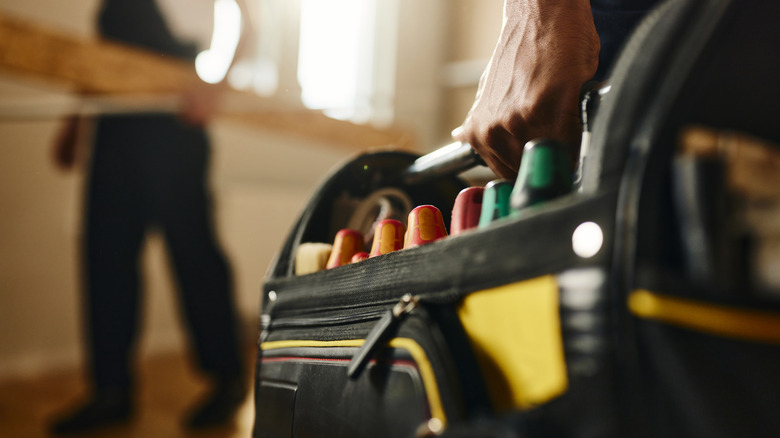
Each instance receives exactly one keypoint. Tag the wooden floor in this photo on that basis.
(168, 386)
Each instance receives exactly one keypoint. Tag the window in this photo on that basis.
(346, 58)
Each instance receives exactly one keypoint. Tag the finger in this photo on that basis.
(508, 151)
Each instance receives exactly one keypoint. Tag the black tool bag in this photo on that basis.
(630, 307)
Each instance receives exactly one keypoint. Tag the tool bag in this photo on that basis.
(641, 304)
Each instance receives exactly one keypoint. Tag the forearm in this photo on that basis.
(542, 37)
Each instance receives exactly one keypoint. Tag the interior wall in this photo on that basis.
(472, 30)
(74, 16)
(39, 317)
(420, 55)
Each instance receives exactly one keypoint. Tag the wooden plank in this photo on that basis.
(104, 68)
(88, 65)
(313, 124)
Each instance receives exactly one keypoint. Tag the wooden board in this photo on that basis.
(103, 68)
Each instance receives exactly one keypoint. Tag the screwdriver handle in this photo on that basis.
(448, 160)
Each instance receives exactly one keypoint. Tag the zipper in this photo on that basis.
(388, 320)
(323, 321)
(381, 332)
(315, 315)
(268, 323)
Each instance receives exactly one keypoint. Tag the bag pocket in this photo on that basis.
(368, 370)
(708, 367)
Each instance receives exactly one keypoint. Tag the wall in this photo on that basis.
(443, 46)
(472, 32)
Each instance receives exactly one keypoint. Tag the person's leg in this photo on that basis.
(113, 232)
(203, 273)
(115, 227)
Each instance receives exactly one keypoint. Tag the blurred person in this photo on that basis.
(149, 172)
(546, 52)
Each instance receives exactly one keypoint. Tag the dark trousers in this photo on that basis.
(150, 172)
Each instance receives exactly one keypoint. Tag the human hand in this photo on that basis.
(530, 89)
(65, 142)
(200, 102)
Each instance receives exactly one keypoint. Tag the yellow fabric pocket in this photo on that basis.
(515, 331)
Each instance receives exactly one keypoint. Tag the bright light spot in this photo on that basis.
(587, 239)
(332, 39)
(241, 76)
(213, 64)
(582, 299)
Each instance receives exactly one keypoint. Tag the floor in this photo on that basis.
(168, 386)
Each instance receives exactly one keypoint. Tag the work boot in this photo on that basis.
(103, 409)
(219, 406)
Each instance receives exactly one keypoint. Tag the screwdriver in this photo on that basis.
(545, 173)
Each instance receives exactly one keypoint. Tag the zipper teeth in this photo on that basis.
(325, 320)
(448, 296)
